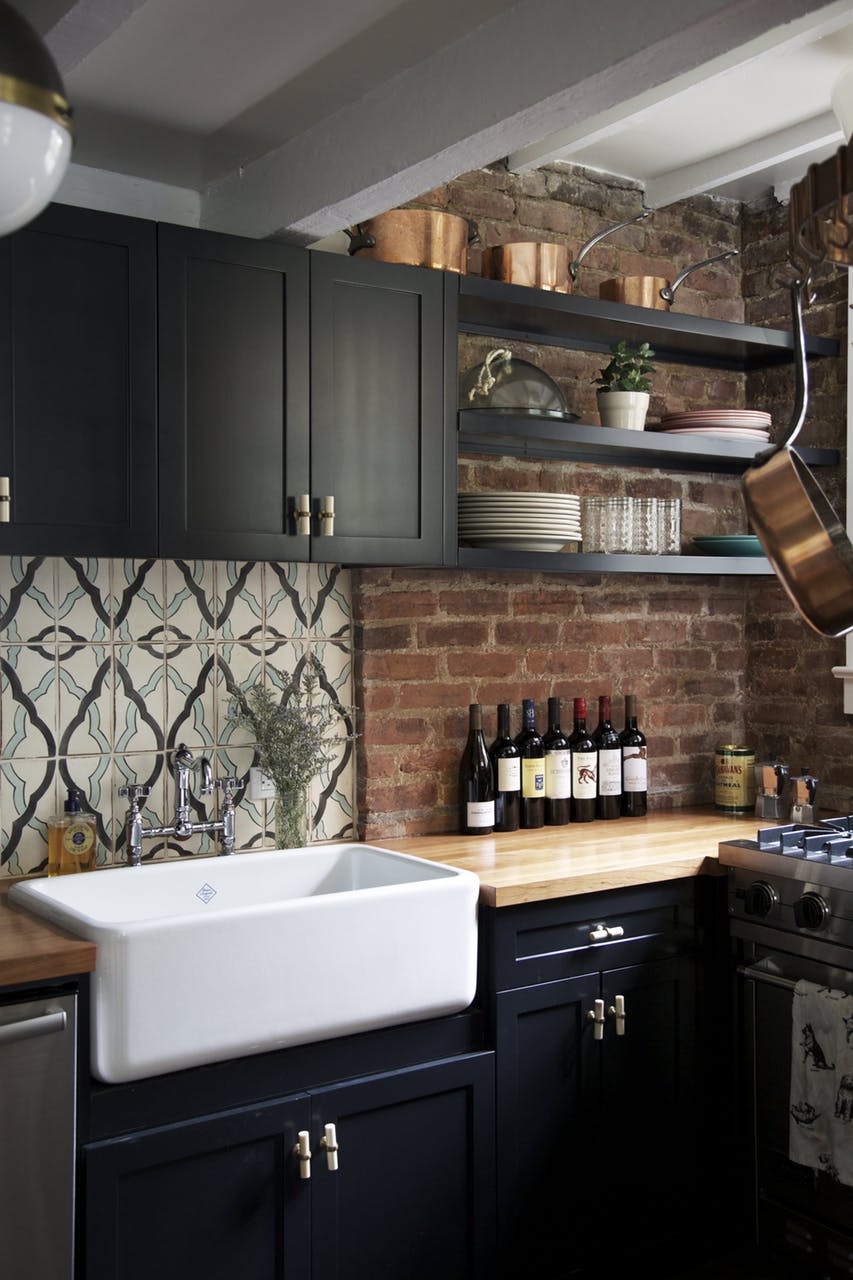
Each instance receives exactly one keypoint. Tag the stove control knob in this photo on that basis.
(760, 898)
(811, 912)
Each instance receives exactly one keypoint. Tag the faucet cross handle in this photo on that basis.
(134, 793)
(228, 786)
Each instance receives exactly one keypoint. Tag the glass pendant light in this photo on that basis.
(35, 123)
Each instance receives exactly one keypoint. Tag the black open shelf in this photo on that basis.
(579, 562)
(503, 311)
(527, 437)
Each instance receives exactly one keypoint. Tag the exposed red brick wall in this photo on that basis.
(710, 659)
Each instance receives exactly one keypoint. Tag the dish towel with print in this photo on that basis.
(820, 1132)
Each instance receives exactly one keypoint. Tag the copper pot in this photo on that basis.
(802, 537)
(542, 266)
(652, 291)
(419, 237)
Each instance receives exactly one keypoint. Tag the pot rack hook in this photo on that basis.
(590, 244)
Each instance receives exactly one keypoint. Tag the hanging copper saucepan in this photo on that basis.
(540, 264)
(652, 291)
(796, 525)
(419, 237)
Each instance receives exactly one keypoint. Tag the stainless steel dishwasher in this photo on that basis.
(37, 1126)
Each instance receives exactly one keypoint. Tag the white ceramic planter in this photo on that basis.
(625, 409)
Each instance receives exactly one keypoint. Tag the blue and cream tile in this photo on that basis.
(287, 599)
(333, 665)
(239, 600)
(238, 668)
(331, 596)
(190, 695)
(27, 803)
(190, 599)
(147, 769)
(85, 697)
(28, 701)
(92, 777)
(137, 600)
(83, 599)
(140, 698)
(331, 796)
(284, 662)
(27, 598)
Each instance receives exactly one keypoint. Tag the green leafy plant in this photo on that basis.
(627, 369)
(291, 734)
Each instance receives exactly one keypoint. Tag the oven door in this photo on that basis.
(800, 1211)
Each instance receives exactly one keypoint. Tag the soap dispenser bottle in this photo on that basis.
(72, 839)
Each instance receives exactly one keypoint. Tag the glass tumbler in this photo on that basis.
(669, 526)
(620, 525)
(645, 540)
(593, 524)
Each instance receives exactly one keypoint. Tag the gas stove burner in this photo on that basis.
(829, 841)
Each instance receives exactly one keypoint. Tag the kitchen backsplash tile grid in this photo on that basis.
(106, 665)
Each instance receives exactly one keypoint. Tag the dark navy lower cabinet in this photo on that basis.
(597, 1130)
(224, 1196)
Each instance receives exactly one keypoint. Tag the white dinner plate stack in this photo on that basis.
(734, 424)
(520, 521)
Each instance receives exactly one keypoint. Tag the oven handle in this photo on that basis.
(771, 979)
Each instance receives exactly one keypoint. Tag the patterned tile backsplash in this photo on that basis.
(106, 665)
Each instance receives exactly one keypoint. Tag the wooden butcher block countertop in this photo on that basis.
(31, 950)
(555, 862)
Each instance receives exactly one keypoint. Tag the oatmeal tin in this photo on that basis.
(734, 779)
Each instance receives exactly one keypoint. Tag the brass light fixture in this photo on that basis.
(35, 123)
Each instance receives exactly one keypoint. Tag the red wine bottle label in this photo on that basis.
(610, 773)
(533, 779)
(480, 813)
(509, 774)
(584, 774)
(634, 769)
(558, 775)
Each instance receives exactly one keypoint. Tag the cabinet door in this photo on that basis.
(378, 410)
(651, 1132)
(217, 1197)
(233, 345)
(78, 385)
(549, 1072)
(413, 1195)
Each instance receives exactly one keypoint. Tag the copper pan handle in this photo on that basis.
(668, 290)
(590, 244)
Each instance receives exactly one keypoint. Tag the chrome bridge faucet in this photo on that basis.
(182, 826)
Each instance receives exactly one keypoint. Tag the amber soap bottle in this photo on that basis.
(72, 839)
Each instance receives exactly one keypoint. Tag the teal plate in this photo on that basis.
(739, 545)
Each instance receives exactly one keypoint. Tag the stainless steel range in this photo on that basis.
(790, 907)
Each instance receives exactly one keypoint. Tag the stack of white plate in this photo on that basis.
(522, 521)
(737, 424)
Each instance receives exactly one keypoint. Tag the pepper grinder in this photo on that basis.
(803, 806)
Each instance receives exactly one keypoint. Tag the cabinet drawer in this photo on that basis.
(545, 941)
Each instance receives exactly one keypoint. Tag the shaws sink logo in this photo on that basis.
(206, 893)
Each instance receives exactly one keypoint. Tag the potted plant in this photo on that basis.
(623, 386)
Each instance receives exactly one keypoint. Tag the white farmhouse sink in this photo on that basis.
(211, 959)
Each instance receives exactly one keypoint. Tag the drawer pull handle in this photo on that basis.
(617, 1011)
(302, 513)
(302, 1151)
(329, 1144)
(596, 1017)
(327, 517)
(604, 933)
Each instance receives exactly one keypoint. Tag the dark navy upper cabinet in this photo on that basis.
(379, 410)
(233, 395)
(78, 371)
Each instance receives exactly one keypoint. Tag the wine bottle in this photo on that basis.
(608, 802)
(476, 790)
(558, 769)
(532, 751)
(634, 766)
(584, 767)
(506, 774)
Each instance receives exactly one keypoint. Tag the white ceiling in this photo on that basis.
(294, 119)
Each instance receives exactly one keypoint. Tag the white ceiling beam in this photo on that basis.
(83, 25)
(90, 188)
(561, 144)
(738, 162)
(440, 118)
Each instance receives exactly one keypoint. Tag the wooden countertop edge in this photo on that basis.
(31, 950)
(597, 881)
